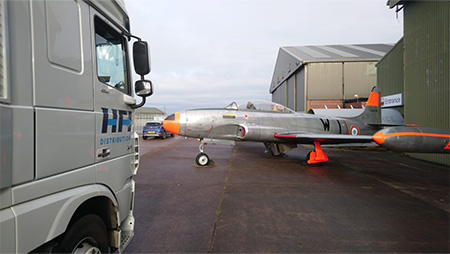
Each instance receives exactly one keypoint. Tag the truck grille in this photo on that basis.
(136, 153)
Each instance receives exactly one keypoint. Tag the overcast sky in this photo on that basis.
(208, 53)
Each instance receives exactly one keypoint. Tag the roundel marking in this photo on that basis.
(354, 130)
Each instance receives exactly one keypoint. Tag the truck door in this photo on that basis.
(61, 85)
(114, 118)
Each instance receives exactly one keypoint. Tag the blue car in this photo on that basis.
(154, 129)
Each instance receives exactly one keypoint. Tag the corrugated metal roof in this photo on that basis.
(148, 110)
(392, 3)
(338, 52)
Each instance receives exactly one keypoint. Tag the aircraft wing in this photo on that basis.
(309, 138)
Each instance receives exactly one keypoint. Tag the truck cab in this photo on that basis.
(68, 149)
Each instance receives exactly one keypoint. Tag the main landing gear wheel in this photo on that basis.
(202, 159)
(308, 157)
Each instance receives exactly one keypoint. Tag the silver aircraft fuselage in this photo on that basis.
(262, 126)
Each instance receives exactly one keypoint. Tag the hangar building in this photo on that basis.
(335, 76)
(145, 114)
(416, 72)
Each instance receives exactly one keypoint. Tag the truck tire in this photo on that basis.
(86, 235)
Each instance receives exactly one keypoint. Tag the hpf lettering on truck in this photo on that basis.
(121, 120)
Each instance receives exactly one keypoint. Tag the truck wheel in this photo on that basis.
(87, 235)
(164, 135)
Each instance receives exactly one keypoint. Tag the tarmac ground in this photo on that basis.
(361, 200)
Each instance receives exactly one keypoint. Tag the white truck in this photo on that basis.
(68, 150)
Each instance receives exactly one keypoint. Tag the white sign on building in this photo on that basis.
(391, 100)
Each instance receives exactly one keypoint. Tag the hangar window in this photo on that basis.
(110, 47)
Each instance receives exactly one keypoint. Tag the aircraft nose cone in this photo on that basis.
(172, 123)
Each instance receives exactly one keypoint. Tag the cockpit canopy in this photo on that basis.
(257, 105)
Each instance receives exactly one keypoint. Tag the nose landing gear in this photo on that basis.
(202, 159)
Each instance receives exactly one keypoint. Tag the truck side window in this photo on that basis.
(111, 54)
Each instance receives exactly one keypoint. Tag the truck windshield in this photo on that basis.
(111, 57)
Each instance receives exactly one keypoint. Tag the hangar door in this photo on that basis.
(340, 80)
(324, 81)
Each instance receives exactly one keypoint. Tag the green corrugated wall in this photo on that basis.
(390, 72)
(426, 67)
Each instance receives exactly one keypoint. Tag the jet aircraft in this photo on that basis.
(281, 129)
(277, 126)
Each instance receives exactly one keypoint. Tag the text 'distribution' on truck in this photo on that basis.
(68, 149)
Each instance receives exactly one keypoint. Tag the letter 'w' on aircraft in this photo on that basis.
(278, 127)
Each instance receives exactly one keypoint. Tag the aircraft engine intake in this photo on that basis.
(241, 132)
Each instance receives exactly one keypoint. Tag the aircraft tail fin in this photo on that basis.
(372, 111)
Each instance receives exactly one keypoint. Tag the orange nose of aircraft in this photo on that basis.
(172, 123)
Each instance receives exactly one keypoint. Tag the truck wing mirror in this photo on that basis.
(141, 58)
(143, 88)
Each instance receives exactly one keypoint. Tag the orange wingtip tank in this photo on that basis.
(414, 139)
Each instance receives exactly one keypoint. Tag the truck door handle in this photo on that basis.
(103, 153)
